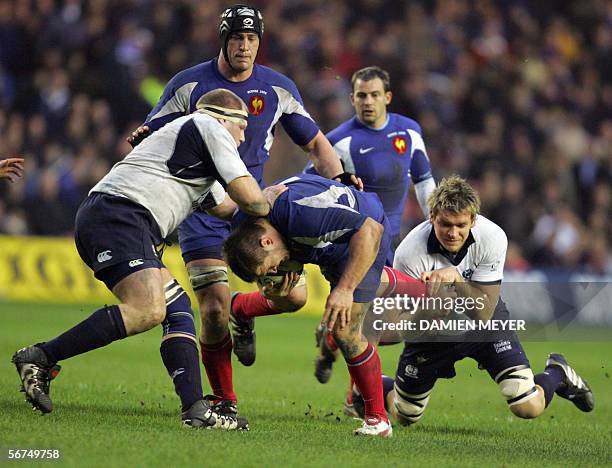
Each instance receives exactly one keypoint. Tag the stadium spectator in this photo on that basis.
(508, 75)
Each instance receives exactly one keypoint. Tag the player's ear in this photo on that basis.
(388, 97)
(265, 241)
(353, 99)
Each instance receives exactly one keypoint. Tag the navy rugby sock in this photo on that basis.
(102, 327)
(549, 380)
(180, 356)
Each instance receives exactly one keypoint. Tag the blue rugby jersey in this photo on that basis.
(270, 97)
(318, 217)
(386, 159)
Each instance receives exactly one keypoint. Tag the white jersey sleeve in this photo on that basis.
(411, 254)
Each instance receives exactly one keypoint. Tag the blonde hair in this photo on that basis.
(455, 195)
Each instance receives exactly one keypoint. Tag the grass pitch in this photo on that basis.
(116, 407)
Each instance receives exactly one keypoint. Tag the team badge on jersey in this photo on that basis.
(399, 144)
(256, 105)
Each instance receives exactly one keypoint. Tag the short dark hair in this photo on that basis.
(242, 250)
(370, 73)
(223, 98)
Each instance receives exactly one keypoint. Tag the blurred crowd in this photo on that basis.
(516, 96)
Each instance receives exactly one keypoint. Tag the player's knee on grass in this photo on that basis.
(179, 318)
(409, 408)
(529, 409)
(519, 389)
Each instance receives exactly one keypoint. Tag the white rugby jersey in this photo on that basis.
(481, 258)
(174, 169)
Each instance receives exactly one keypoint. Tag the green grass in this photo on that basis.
(116, 407)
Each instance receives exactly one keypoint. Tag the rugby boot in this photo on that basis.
(36, 372)
(199, 416)
(227, 416)
(574, 387)
(243, 337)
(375, 427)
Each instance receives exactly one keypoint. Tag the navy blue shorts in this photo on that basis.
(421, 364)
(116, 237)
(366, 290)
(202, 236)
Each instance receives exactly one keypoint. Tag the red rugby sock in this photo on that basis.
(217, 360)
(366, 371)
(249, 305)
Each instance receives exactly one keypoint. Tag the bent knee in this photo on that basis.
(527, 410)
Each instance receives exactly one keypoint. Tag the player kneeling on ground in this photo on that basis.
(472, 251)
(139, 202)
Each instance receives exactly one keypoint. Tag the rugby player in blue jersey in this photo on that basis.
(347, 234)
(188, 164)
(387, 151)
(271, 98)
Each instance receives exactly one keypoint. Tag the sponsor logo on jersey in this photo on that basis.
(365, 150)
(399, 144)
(104, 256)
(256, 105)
(138, 261)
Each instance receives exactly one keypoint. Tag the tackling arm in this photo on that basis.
(323, 156)
(248, 196)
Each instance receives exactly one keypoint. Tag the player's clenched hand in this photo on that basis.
(273, 191)
(138, 135)
(11, 169)
(338, 308)
(436, 279)
(347, 178)
(271, 292)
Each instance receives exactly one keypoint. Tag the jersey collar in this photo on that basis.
(372, 128)
(434, 247)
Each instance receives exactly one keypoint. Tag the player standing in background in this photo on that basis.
(387, 152)
(142, 199)
(468, 251)
(271, 98)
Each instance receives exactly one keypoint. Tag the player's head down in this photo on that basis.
(453, 207)
(240, 31)
(255, 249)
(228, 108)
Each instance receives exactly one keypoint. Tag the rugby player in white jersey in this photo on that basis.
(183, 166)
(459, 248)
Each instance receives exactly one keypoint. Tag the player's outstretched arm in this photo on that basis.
(11, 169)
(363, 248)
(248, 196)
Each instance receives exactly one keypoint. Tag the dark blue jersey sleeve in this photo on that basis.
(295, 119)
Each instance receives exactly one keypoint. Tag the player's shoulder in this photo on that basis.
(488, 234)
(274, 78)
(403, 122)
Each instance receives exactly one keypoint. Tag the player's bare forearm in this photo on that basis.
(248, 196)
(363, 248)
(323, 156)
(225, 210)
(486, 297)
